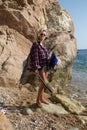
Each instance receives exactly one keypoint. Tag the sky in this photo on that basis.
(78, 11)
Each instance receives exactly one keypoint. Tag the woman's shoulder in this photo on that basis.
(36, 43)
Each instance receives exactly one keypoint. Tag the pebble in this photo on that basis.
(29, 111)
(26, 111)
(73, 128)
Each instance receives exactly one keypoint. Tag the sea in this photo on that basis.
(79, 72)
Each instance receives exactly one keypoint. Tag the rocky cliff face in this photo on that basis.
(19, 22)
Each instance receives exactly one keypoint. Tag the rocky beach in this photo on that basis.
(23, 113)
(20, 22)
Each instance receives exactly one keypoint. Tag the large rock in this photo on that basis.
(70, 104)
(54, 109)
(14, 48)
(65, 49)
(19, 23)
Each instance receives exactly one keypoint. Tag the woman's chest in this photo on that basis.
(42, 51)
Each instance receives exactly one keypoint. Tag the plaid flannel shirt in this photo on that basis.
(38, 56)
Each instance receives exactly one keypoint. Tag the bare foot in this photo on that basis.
(45, 101)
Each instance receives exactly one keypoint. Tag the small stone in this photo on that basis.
(26, 111)
(29, 111)
(73, 128)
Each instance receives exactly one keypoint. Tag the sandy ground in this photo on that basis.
(16, 101)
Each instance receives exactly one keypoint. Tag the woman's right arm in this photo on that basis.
(35, 56)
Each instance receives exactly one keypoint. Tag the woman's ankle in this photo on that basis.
(39, 104)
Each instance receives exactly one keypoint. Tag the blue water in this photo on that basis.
(80, 69)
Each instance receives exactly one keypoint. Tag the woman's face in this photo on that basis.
(43, 36)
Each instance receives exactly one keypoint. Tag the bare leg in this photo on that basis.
(40, 97)
(45, 74)
(40, 93)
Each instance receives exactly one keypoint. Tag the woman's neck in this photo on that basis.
(41, 43)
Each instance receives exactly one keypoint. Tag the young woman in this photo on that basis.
(39, 64)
